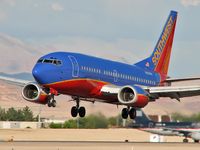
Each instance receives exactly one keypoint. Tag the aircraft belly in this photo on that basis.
(86, 88)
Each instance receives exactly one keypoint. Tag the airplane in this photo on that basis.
(88, 78)
(185, 129)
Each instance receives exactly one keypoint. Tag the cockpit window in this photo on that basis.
(57, 62)
(40, 60)
(50, 61)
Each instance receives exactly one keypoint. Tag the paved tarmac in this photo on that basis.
(87, 139)
(95, 145)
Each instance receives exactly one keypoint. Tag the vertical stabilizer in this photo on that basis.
(160, 58)
(142, 119)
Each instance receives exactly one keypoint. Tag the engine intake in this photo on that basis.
(33, 92)
(133, 96)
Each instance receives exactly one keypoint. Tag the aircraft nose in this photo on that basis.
(37, 74)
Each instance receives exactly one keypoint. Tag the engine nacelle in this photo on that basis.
(133, 96)
(195, 136)
(33, 92)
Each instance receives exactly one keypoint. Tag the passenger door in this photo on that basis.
(115, 76)
(75, 66)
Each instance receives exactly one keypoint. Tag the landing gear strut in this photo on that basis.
(51, 102)
(131, 112)
(77, 109)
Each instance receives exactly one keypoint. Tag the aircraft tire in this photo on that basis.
(124, 113)
(74, 111)
(185, 140)
(53, 103)
(196, 141)
(82, 111)
(49, 104)
(132, 113)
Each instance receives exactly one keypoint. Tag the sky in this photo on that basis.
(122, 30)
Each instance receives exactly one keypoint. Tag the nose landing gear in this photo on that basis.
(51, 102)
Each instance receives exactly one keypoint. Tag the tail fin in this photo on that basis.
(159, 59)
(142, 119)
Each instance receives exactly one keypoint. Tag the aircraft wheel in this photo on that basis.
(49, 104)
(132, 113)
(53, 103)
(196, 141)
(124, 113)
(82, 111)
(185, 140)
(74, 111)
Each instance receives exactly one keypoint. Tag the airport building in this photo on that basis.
(19, 125)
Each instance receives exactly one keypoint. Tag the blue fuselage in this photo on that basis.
(61, 66)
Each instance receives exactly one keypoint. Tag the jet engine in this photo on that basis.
(34, 93)
(133, 96)
(195, 136)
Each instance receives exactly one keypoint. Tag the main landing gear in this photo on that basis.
(131, 112)
(77, 109)
(185, 140)
(51, 102)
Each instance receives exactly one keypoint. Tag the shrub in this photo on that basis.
(56, 125)
(191, 118)
(70, 124)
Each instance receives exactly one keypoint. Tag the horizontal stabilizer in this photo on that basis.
(170, 80)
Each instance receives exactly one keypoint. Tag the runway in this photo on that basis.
(91, 145)
(86, 139)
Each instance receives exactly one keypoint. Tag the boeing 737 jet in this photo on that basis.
(93, 79)
(185, 129)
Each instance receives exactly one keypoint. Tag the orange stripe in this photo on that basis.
(79, 79)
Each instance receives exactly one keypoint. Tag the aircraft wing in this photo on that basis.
(192, 133)
(174, 92)
(14, 81)
(180, 132)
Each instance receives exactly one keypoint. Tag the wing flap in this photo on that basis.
(176, 92)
